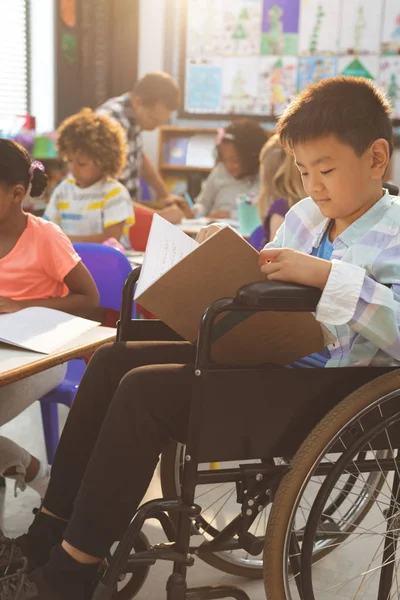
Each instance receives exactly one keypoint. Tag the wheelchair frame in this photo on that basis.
(256, 483)
(258, 480)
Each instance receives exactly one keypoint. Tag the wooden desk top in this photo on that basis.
(16, 364)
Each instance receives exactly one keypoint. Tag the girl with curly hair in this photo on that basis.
(90, 205)
(236, 172)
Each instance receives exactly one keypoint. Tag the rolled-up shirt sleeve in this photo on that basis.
(353, 297)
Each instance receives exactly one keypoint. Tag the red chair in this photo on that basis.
(139, 232)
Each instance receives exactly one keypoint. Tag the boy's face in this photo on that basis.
(150, 117)
(342, 184)
(84, 169)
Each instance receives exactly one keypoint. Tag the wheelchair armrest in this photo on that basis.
(278, 296)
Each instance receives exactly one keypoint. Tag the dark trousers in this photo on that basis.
(134, 398)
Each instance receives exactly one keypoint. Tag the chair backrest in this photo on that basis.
(139, 232)
(109, 268)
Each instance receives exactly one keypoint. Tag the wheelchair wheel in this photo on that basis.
(312, 553)
(131, 583)
(220, 507)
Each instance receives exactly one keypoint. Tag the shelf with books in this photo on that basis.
(186, 155)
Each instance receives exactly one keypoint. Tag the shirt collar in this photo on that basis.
(128, 110)
(357, 229)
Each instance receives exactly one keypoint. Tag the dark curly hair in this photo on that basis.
(15, 163)
(100, 137)
(248, 138)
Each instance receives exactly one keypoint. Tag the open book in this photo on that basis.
(42, 330)
(180, 278)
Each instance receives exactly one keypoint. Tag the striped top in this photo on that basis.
(360, 303)
(87, 211)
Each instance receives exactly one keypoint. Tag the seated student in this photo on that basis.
(281, 186)
(340, 133)
(238, 150)
(38, 266)
(90, 205)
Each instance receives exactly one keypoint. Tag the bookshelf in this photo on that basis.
(186, 155)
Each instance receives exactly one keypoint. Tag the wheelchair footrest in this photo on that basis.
(215, 592)
(165, 551)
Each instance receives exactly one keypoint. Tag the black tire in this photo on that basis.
(133, 582)
(303, 466)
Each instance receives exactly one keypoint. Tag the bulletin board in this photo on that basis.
(251, 57)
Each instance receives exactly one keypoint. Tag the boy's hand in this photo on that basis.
(9, 306)
(285, 264)
(206, 232)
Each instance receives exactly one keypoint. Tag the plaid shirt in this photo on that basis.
(360, 303)
(120, 109)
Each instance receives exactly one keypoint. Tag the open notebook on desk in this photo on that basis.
(42, 330)
(180, 278)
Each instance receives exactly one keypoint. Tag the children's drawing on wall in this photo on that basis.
(319, 27)
(315, 68)
(390, 81)
(242, 27)
(240, 85)
(391, 28)
(359, 66)
(277, 85)
(203, 88)
(280, 27)
(205, 29)
(360, 27)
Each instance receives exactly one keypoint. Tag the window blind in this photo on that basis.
(14, 57)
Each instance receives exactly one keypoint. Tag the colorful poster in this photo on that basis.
(240, 85)
(389, 80)
(312, 69)
(391, 28)
(280, 27)
(277, 84)
(359, 66)
(360, 27)
(319, 27)
(205, 29)
(203, 88)
(241, 27)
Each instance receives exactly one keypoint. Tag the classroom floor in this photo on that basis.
(16, 515)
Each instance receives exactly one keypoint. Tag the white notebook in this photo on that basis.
(42, 330)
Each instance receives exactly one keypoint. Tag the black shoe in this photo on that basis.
(18, 586)
(11, 556)
(22, 586)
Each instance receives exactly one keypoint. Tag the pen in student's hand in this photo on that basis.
(189, 200)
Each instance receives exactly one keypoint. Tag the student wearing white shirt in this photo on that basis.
(90, 205)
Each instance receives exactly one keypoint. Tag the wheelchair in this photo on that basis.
(281, 486)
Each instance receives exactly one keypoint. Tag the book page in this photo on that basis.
(167, 245)
(42, 329)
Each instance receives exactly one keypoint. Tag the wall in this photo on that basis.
(159, 50)
(43, 67)
(152, 34)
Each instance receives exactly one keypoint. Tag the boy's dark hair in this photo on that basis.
(15, 163)
(100, 137)
(158, 88)
(351, 108)
(249, 138)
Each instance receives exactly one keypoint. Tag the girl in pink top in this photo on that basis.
(38, 267)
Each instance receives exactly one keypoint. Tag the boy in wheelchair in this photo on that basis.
(343, 239)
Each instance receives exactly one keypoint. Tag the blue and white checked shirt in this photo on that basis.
(120, 109)
(360, 303)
